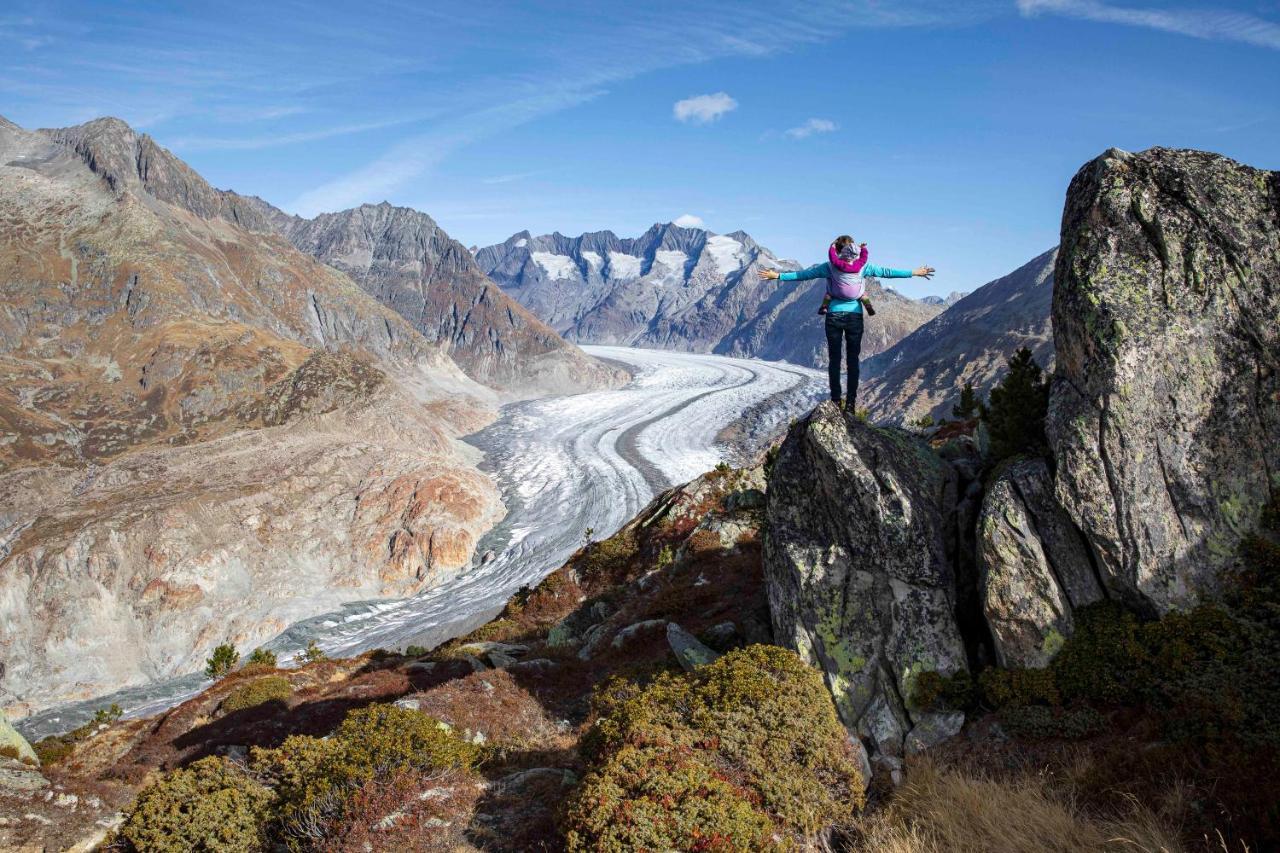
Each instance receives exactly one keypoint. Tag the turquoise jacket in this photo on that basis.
(824, 271)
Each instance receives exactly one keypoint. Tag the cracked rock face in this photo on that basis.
(859, 578)
(1034, 566)
(1165, 407)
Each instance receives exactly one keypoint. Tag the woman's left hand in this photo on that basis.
(923, 272)
(769, 274)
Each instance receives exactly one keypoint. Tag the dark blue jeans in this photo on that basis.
(846, 326)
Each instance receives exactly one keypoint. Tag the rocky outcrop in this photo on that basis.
(859, 566)
(1034, 566)
(1165, 406)
(971, 341)
(684, 289)
(205, 434)
(408, 263)
(14, 746)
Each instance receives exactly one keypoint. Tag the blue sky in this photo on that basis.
(939, 131)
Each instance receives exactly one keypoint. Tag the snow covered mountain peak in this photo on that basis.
(674, 287)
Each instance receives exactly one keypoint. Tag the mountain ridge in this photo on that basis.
(680, 288)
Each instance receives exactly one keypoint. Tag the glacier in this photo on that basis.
(564, 465)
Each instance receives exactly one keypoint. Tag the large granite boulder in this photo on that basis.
(1165, 407)
(14, 745)
(1034, 566)
(859, 575)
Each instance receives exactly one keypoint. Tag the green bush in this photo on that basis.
(1016, 412)
(933, 691)
(53, 749)
(262, 657)
(608, 559)
(1103, 660)
(1015, 687)
(224, 659)
(274, 688)
(415, 651)
(673, 802)
(209, 807)
(313, 777)
(758, 720)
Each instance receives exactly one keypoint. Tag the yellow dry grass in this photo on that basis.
(948, 811)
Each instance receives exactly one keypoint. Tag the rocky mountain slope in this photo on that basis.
(680, 288)
(970, 341)
(206, 433)
(408, 263)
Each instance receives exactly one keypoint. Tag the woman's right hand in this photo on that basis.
(769, 274)
(923, 272)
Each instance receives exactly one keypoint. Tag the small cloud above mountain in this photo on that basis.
(812, 126)
(688, 221)
(704, 109)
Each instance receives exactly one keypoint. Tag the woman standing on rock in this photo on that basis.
(844, 319)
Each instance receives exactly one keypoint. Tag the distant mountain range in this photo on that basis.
(408, 263)
(922, 374)
(681, 288)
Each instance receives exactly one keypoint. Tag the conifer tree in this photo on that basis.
(968, 405)
(1016, 412)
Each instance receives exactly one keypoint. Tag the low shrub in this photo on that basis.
(314, 777)
(274, 688)
(1040, 721)
(756, 727)
(658, 799)
(1016, 687)
(608, 559)
(933, 691)
(1102, 661)
(262, 657)
(209, 807)
(53, 749)
(415, 651)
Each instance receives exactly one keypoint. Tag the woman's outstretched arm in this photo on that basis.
(873, 271)
(815, 271)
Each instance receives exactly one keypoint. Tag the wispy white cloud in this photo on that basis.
(570, 74)
(704, 109)
(517, 176)
(688, 220)
(812, 126)
(1213, 24)
(275, 140)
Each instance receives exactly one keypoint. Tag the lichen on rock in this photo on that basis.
(859, 576)
(1166, 403)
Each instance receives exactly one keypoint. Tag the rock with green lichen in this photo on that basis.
(14, 744)
(1166, 403)
(858, 569)
(1034, 566)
